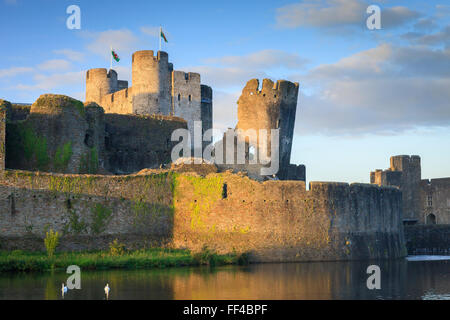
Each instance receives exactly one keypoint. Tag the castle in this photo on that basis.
(65, 164)
(157, 89)
(424, 201)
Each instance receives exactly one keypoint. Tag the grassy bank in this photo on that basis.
(100, 260)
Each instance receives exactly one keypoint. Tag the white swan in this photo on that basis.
(107, 289)
(63, 290)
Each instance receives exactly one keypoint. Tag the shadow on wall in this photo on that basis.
(63, 135)
(86, 211)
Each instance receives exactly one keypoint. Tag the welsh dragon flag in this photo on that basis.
(163, 35)
(115, 56)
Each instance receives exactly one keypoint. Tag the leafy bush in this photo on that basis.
(205, 256)
(62, 156)
(51, 242)
(116, 248)
(100, 218)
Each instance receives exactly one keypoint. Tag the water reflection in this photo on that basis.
(400, 279)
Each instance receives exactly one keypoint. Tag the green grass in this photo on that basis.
(101, 260)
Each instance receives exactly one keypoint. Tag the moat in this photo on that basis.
(400, 279)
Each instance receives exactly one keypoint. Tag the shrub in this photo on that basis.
(205, 256)
(100, 218)
(51, 242)
(116, 248)
(62, 156)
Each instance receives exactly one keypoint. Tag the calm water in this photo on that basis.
(322, 280)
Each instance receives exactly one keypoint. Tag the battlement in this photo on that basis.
(279, 90)
(156, 89)
(186, 77)
(118, 102)
(405, 173)
(149, 55)
(331, 189)
(404, 162)
(207, 94)
(275, 105)
(101, 82)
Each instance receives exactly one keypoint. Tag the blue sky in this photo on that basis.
(364, 95)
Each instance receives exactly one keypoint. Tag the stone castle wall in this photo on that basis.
(120, 102)
(424, 201)
(3, 112)
(271, 221)
(435, 201)
(51, 138)
(156, 89)
(149, 147)
(428, 239)
(63, 135)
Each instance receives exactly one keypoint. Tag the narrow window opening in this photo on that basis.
(430, 201)
(224, 191)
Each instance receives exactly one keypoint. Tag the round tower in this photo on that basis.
(99, 83)
(151, 83)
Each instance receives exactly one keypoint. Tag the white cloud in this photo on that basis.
(225, 77)
(54, 81)
(124, 73)
(70, 54)
(438, 38)
(55, 65)
(150, 31)
(338, 13)
(225, 109)
(13, 71)
(397, 16)
(266, 59)
(233, 72)
(122, 41)
(327, 13)
(384, 90)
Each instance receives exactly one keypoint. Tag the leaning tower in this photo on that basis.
(272, 107)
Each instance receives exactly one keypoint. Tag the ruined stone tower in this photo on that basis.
(156, 89)
(405, 173)
(272, 107)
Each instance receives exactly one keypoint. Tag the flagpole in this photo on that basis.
(160, 30)
(110, 63)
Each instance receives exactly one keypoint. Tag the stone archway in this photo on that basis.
(431, 219)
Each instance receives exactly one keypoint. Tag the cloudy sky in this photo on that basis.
(364, 94)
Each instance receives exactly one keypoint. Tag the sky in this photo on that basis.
(365, 95)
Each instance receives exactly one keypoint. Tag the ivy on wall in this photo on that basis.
(22, 141)
(100, 218)
(89, 162)
(62, 156)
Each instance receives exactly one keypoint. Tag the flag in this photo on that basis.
(163, 36)
(115, 56)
